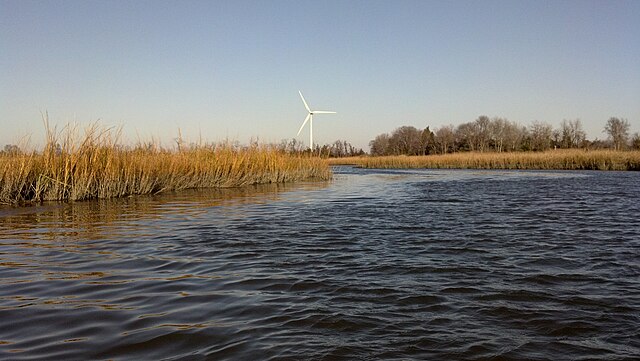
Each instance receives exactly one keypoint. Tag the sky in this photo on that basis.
(217, 70)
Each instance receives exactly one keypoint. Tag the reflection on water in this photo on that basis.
(102, 219)
(393, 264)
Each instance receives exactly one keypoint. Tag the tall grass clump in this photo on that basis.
(573, 159)
(75, 166)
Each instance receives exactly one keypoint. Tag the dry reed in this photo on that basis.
(93, 165)
(574, 159)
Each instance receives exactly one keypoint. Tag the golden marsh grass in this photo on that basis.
(94, 165)
(573, 159)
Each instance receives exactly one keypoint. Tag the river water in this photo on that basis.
(420, 264)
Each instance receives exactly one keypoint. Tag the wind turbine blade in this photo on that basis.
(323, 112)
(304, 101)
(304, 123)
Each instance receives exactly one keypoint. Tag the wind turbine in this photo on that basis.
(309, 118)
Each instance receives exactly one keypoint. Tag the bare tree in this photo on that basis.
(483, 132)
(635, 141)
(445, 138)
(618, 130)
(557, 138)
(380, 145)
(498, 132)
(572, 133)
(291, 146)
(467, 136)
(338, 149)
(341, 148)
(11, 149)
(579, 135)
(541, 135)
(514, 135)
(405, 140)
(565, 134)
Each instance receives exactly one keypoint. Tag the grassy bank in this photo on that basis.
(573, 159)
(94, 165)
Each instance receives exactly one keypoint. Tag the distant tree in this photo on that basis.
(515, 135)
(618, 130)
(324, 151)
(556, 138)
(11, 149)
(380, 145)
(597, 144)
(565, 131)
(356, 152)
(405, 140)
(427, 142)
(342, 148)
(483, 132)
(445, 139)
(467, 137)
(541, 135)
(635, 141)
(291, 146)
(572, 133)
(338, 149)
(579, 135)
(498, 130)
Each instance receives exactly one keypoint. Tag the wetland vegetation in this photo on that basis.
(76, 165)
(570, 159)
(498, 143)
(79, 166)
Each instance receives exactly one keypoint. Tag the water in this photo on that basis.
(426, 264)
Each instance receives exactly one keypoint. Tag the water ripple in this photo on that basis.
(468, 265)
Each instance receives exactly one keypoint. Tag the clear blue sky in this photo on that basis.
(233, 68)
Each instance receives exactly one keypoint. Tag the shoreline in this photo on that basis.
(95, 165)
(569, 159)
(105, 173)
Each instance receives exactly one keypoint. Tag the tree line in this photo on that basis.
(337, 149)
(500, 135)
(482, 135)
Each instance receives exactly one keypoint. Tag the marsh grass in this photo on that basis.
(79, 166)
(573, 159)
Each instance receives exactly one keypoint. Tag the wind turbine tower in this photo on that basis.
(309, 118)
